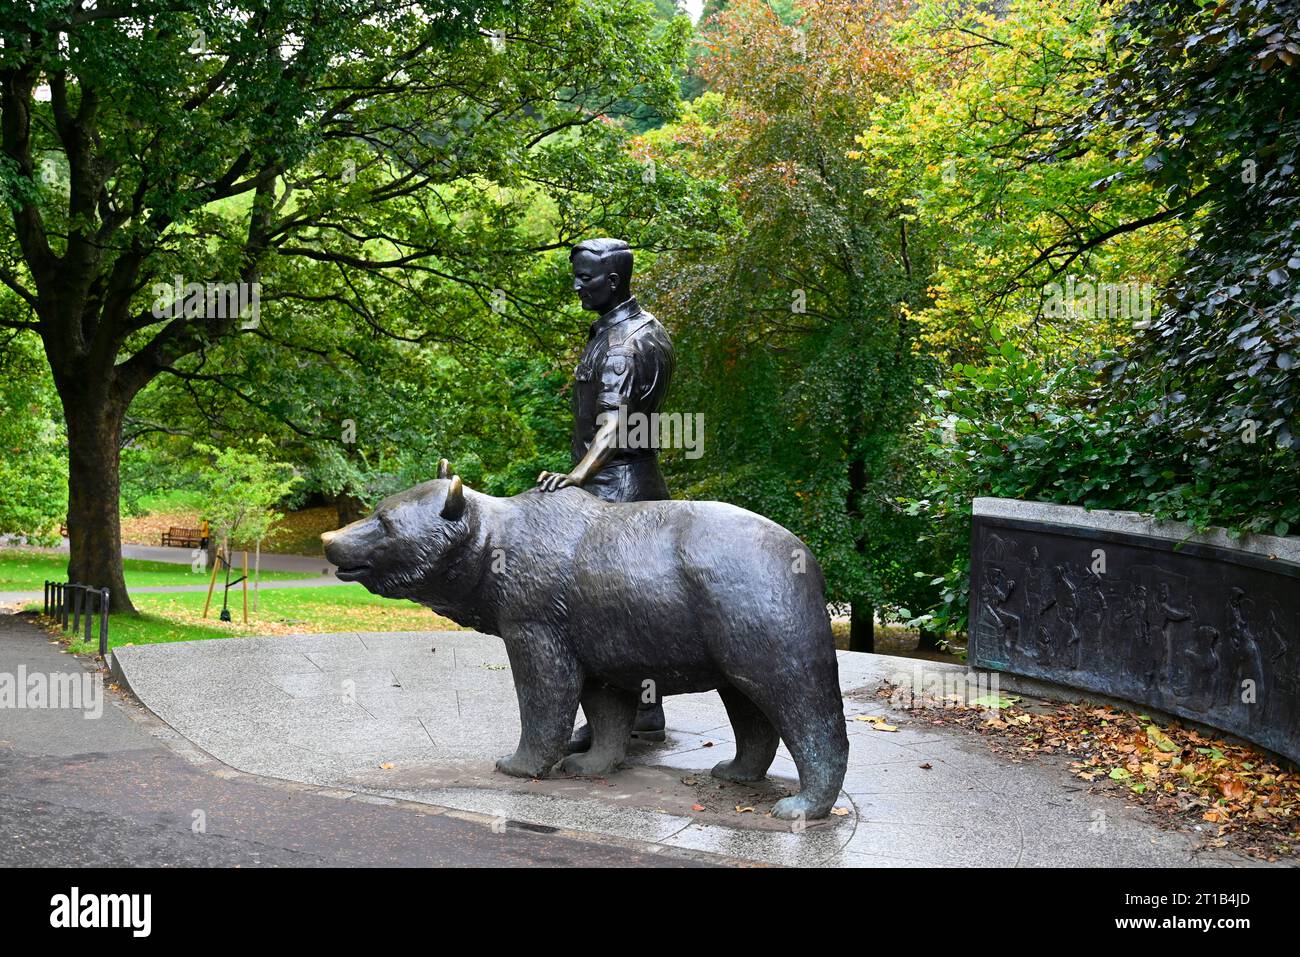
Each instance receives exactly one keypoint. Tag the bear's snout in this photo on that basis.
(349, 550)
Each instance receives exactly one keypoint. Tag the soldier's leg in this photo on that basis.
(648, 726)
(609, 715)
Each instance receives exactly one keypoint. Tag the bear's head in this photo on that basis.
(405, 549)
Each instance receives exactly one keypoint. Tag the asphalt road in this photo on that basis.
(114, 791)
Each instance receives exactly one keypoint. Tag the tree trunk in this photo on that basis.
(94, 421)
(862, 621)
(862, 625)
(929, 641)
(349, 509)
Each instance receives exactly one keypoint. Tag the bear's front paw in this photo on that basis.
(590, 764)
(520, 765)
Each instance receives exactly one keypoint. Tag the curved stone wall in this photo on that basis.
(1199, 625)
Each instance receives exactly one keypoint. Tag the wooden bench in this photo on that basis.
(185, 537)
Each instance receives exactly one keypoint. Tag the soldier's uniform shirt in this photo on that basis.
(627, 364)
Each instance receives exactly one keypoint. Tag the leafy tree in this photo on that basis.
(974, 150)
(241, 490)
(398, 165)
(1108, 146)
(1009, 427)
(367, 418)
(33, 474)
(1207, 96)
(791, 335)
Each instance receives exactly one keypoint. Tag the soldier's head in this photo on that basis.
(602, 273)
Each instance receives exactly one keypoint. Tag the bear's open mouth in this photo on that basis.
(352, 572)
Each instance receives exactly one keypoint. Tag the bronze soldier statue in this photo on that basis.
(624, 372)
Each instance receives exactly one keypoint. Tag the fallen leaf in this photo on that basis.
(994, 701)
(839, 811)
(386, 766)
(1160, 739)
(697, 807)
(1233, 789)
(744, 810)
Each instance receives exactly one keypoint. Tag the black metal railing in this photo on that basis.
(68, 601)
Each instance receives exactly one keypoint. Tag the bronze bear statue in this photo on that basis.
(602, 602)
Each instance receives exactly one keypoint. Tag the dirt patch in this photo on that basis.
(297, 534)
(900, 642)
(148, 529)
(1240, 796)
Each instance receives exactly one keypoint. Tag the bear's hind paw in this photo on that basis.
(589, 764)
(799, 808)
(731, 771)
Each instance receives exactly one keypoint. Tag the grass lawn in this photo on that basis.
(282, 611)
(22, 570)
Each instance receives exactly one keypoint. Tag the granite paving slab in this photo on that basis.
(423, 716)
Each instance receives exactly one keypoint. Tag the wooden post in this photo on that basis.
(245, 584)
(212, 582)
(257, 573)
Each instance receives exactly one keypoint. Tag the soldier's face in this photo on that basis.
(596, 287)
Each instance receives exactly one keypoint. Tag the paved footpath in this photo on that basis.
(421, 717)
(124, 790)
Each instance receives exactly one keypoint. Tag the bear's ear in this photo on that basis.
(454, 507)
(444, 469)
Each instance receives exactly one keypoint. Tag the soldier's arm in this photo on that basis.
(617, 386)
(603, 445)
